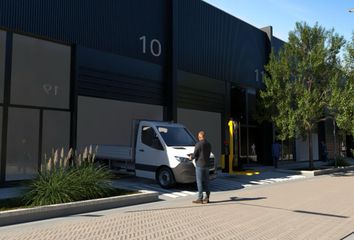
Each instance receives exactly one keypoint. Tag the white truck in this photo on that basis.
(159, 150)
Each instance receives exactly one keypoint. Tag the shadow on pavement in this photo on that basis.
(296, 211)
(239, 201)
(232, 200)
(321, 214)
(236, 199)
(89, 215)
(343, 174)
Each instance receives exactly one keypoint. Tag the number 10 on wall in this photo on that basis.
(153, 46)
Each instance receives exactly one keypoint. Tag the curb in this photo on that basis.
(316, 172)
(64, 209)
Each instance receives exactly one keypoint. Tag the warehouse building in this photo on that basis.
(77, 72)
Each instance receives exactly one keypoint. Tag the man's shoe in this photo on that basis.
(206, 200)
(198, 201)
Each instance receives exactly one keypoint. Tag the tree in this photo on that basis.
(298, 81)
(341, 103)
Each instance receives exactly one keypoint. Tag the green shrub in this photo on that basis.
(94, 181)
(66, 178)
(53, 187)
(67, 185)
(340, 162)
(11, 203)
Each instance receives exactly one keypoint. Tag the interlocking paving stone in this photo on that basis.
(317, 208)
(221, 183)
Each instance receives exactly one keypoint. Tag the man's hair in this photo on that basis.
(202, 133)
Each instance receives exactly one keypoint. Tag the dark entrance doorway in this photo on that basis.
(254, 139)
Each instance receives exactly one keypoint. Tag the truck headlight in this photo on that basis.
(182, 159)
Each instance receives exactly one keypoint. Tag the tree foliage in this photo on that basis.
(299, 80)
(341, 103)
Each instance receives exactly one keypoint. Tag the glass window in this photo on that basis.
(40, 73)
(22, 144)
(149, 138)
(176, 136)
(287, 149)
(56, 131)
(2, 64)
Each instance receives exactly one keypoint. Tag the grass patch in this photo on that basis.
(11, 203)
(341, 162)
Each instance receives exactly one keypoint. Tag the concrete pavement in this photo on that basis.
(223, 182)
(314, 208)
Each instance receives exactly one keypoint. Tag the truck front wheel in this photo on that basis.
(165, 177)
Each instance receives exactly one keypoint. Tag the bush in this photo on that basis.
(340, 162)
(52, 187)
(66, 179)
(94, 181)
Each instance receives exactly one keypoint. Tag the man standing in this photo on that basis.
(201, 155)
(324, 152)
(276, 149)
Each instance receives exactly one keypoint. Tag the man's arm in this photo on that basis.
(196, 153)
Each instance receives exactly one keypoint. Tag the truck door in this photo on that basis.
(150, 152)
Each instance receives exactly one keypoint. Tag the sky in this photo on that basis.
(283, 14)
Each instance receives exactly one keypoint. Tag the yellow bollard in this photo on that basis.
(223, 161)
(231, 146)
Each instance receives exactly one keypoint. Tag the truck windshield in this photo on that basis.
(176, 136)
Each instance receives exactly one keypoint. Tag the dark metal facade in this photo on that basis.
(173, 53)
(106, 75)
(110, 25)
(215, 44)
(277, 44)
(187, 35)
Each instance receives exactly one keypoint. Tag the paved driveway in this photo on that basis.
(224, 182)
(314, 208)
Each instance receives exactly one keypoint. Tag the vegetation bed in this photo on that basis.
(19, 202)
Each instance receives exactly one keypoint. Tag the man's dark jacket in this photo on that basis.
(202, 153)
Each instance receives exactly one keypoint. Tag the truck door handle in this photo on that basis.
(141, 150)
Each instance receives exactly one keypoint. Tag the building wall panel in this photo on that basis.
(108, 25)
(103, 121)
(218, 45)
(2, 64)
(22, 144)
(107, 75)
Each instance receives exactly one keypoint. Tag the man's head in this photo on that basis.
(201, 135)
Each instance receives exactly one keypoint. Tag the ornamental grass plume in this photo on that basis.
(85, 154)
(49, 165)
(61, 160)
(56, 159)
(66, 178)
(68, 158)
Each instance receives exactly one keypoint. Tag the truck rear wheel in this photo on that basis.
(165, 177)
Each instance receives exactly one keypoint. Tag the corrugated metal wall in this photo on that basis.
(210, 43)
(277, 44)
(107, 75)
(200, 92)
(108, 25)
(218, 45)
